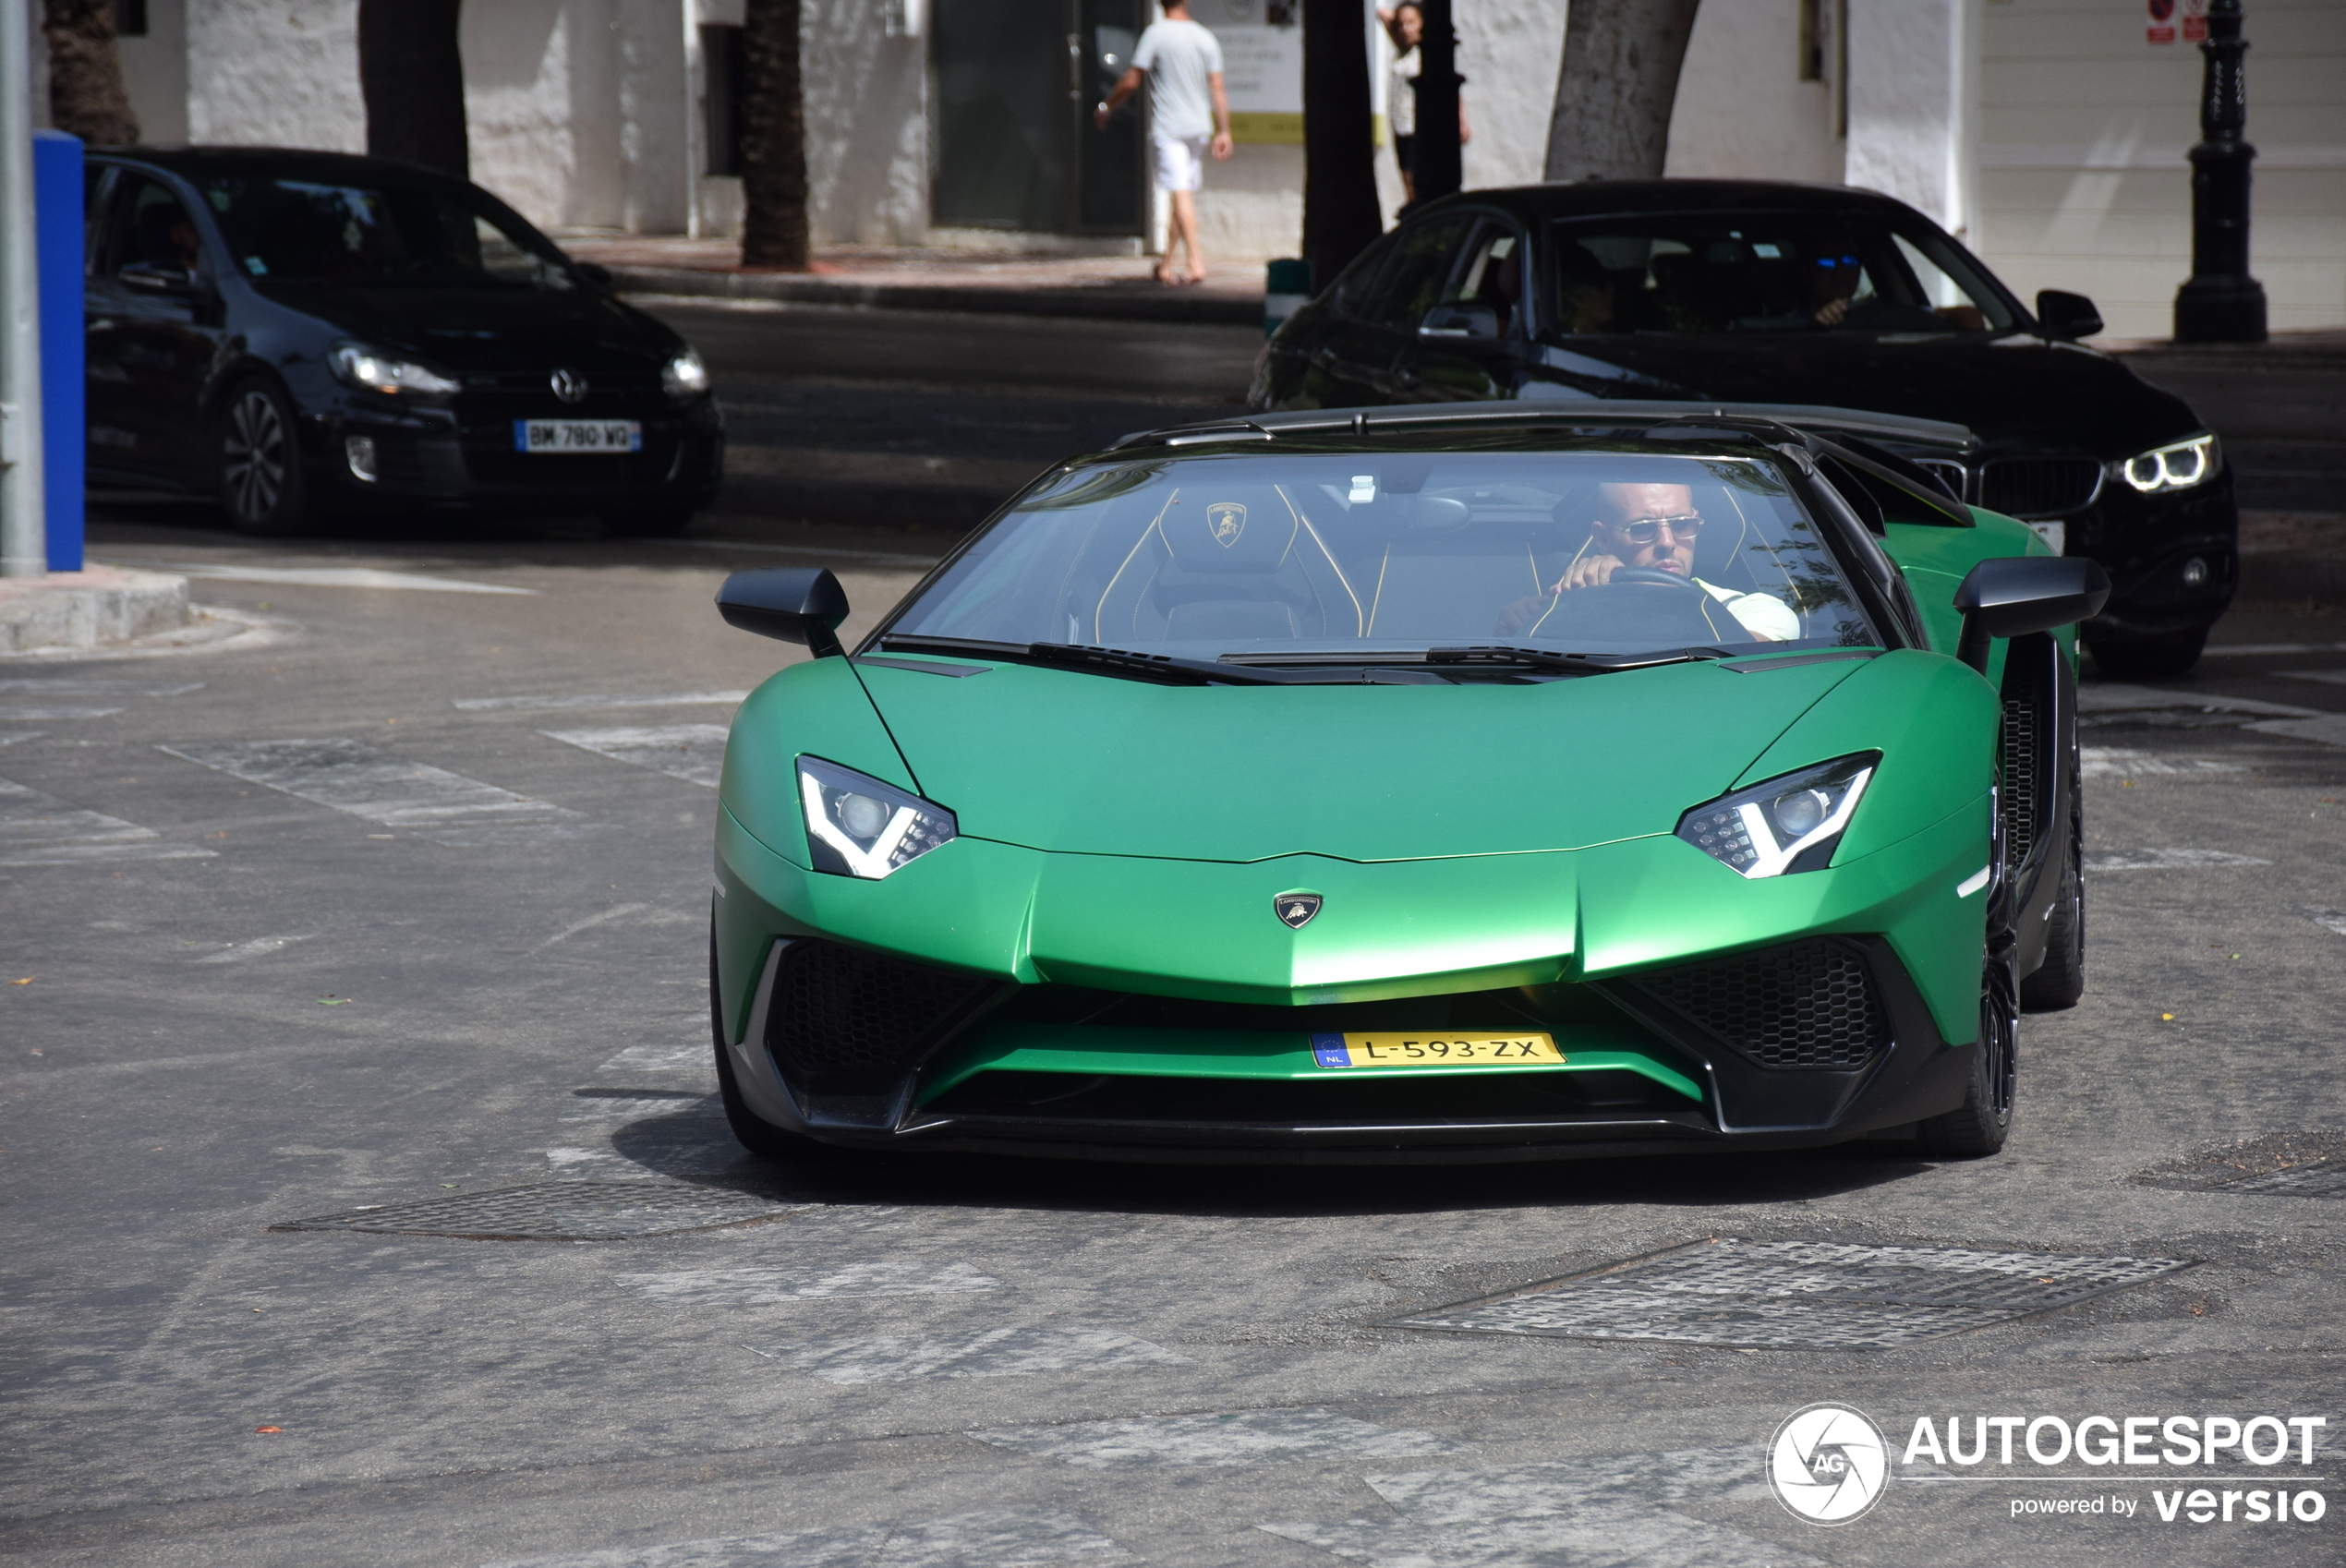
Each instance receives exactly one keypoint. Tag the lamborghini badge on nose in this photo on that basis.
(1296, 910)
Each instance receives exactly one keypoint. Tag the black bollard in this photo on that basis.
(1436, 157)
(2221, 303)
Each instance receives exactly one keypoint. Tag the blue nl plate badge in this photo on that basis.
(1328, 1050)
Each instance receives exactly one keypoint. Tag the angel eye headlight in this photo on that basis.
(1788, 823)
(2176, 466)
(858, 827)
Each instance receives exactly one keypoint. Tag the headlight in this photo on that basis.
(377, 371)
(2177, 467)
(685, 376)
(1788, 823)
(859, 826)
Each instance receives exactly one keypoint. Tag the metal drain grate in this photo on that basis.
(565, 1210)
(1794, 1295)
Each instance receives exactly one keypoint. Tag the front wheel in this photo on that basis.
(2061, 979)
(1981, 1123)
(260, 460)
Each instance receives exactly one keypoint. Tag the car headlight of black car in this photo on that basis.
(2175, 466)
(684, 377)
(371, 369)
(1792, 823)
(858, 827)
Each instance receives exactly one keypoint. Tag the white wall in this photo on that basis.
(154, 73)
(281, 73)
(867, 120)
(1511, 53)
(1743, 112)
(1914, 104)
(2083, 181)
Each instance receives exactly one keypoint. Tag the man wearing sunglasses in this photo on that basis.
(1652, 527)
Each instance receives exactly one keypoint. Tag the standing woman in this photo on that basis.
(1405, 24)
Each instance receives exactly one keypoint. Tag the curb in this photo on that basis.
(1105, 302)
(88, 609)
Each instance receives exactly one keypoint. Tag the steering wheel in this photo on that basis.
(1651, 575)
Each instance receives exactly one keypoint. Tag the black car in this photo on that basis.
(312, 335)
(1754, 292)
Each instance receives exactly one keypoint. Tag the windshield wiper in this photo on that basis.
(1572, 663)
(1078, 656)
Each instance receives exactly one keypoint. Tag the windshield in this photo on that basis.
(1594, 551)
(1764, 272)
(379, 236)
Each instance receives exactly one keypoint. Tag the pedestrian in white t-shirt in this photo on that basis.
(1189, 114)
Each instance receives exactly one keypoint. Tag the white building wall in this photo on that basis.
(867, 155)
(1742, 110)
(1913, 99)
(2083, 184)
(274, 73)
(154, 73)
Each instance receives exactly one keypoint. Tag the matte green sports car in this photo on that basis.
(1491, 782)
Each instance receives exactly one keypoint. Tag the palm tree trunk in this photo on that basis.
(1618, 85)
(774, 227)
(86, 95)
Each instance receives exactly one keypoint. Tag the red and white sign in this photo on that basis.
(2195, 21)
(2162, 22)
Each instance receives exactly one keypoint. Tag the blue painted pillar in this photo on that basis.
(57, 180)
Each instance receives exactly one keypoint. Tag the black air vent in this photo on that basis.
(2017, 799)
(2039, 487)
(1805, 1005)
(844, 1022)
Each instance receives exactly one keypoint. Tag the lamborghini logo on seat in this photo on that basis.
(1295, 909)
(1226, 520)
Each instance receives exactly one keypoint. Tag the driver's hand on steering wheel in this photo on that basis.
(1589, 572)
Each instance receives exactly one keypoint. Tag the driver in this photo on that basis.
(1651, 528)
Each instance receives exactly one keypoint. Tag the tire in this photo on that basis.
(1981, 1124)
(2061, 979)
(649, 523)
(761, 1138)
(260, 460)
(2149, 658)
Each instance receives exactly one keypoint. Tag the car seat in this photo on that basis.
(1226, 562)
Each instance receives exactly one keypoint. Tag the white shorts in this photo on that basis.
(1180, 160)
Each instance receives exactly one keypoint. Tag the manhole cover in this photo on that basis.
(564, 1210)
(1797, 1295)
(2286, 1165)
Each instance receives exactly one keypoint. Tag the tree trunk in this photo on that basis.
(774, 231)
(1618, 85)
(1434, 167)
(411, 73)
(1340, 211)
(86, 96)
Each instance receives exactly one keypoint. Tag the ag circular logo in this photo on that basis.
(1828, 1464)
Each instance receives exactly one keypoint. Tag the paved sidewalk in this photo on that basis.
(911, 279)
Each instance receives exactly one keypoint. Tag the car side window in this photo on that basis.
(150, 227)
(1490, 272)
(1356, 286)
(1411, 282)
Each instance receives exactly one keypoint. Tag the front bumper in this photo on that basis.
(1108, 1014)
(2145, 542)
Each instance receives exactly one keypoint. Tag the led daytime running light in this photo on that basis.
(2177, 467)
(685, 376)
(377, 371)
(1763, 831)
(858, 827)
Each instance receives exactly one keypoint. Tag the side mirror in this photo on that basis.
(145, 277)
(594, 273)
(2015, 595)
(796, 604)
(1460, 321)
(2066, 316)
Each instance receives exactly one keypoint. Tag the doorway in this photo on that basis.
(1016, 148)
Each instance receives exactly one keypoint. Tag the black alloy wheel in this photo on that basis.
(759, 1137)
(260, 460)
(2136, 658)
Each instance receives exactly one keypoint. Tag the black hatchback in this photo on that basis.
(1760, 293)
(309, 335)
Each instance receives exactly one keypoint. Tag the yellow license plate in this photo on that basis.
(1435, 1050)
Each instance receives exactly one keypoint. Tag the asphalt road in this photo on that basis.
(288, 970)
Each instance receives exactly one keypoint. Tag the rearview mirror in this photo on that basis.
(2066, 316)
(1460, 321)
(147, 278)
(797, 604)
(2013, 596)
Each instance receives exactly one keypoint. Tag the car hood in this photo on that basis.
(476, 331)
(1093, 765)
(2018, 392)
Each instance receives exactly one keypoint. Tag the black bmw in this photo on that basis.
(1753, 292)
(310, 334)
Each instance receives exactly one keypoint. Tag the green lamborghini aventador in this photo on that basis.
(1473, 782)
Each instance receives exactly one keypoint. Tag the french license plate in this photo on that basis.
(1435, 1050)
(578, 435)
